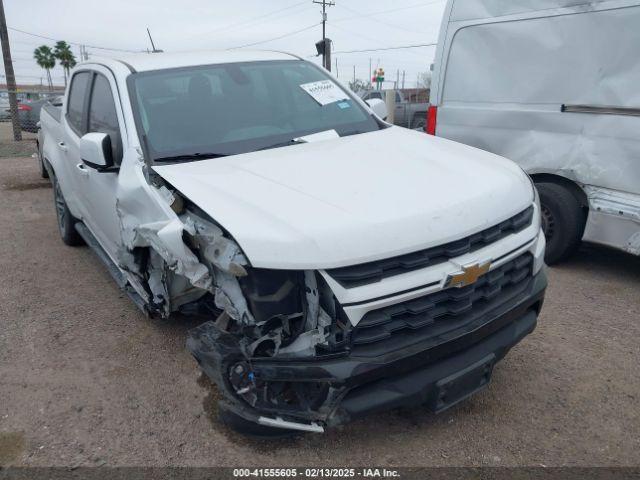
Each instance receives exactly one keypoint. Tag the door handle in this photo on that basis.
(83, 168)
(62, 146)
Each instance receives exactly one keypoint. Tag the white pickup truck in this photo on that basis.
(344, 265)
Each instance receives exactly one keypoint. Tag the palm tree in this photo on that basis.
(45, 59)
(62, 51)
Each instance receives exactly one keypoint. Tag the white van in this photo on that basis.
(555, 86)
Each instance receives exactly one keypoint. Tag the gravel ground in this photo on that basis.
(85, 379)
(9, 148)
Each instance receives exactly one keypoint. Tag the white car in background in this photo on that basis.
(343, 265)
(552, 85)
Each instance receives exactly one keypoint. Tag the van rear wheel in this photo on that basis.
(562, 221)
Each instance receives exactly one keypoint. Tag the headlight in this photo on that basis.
(537, 219)
(536, 200)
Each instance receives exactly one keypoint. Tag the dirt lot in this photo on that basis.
(9, 148)
(86, 379)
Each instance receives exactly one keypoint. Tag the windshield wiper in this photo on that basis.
(190, 156)
(293, 141)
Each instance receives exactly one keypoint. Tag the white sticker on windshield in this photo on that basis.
(324, 92)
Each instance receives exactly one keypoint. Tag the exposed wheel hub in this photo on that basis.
(548, 222)
(60, 206)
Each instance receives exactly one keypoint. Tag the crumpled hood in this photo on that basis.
(354, 199)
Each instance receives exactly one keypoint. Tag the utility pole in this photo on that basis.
(403, 72)
(354, 74)
(326, 54)
(11, 78)
(84, 56)
(370, 72)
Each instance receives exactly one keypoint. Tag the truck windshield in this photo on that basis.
(227, 109)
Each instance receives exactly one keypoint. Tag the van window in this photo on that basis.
(103, 117)
(572, 59)
(77, 94)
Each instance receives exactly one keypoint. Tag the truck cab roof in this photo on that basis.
(142, 62)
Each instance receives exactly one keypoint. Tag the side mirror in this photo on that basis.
(95, 150)
(379, 107)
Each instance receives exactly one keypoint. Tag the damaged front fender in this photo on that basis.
(178, 256)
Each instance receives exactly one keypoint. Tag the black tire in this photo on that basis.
(419, 122)
(562, 221)
(43, 168)
(66, 221)
(250, 429)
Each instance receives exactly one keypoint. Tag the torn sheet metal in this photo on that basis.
(227, 262)
(222, 252)
(166, 239)
(148, 218)
(229, 297)
(614, 219)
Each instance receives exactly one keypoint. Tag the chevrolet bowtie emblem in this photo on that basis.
(468, 275)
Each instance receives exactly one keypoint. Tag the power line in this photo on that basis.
(388, 48)
(244, 23)
(275, 38)
(377, 20)
(408, 7)
(72, 43)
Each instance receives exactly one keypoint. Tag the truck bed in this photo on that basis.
(54, 110)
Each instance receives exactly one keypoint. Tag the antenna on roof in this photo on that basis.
(153, 47)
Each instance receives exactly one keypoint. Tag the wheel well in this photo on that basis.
(570, 185)
(48, 167)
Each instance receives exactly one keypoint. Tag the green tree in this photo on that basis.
(66, 58)
(45, 59)
(424, 80)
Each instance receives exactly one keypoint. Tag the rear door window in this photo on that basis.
(77, 95)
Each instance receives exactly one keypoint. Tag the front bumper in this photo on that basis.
(435, 375)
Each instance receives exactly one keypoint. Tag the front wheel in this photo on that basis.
(43, 168)
(562, 221)
(66, 221)
(419, 122)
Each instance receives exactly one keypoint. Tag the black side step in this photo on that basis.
(112, 268)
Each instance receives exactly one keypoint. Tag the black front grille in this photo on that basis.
(371, 272)
(434, 316)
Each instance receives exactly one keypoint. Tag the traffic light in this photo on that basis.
(322, 46)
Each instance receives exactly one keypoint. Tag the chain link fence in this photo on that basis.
(30, 102)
